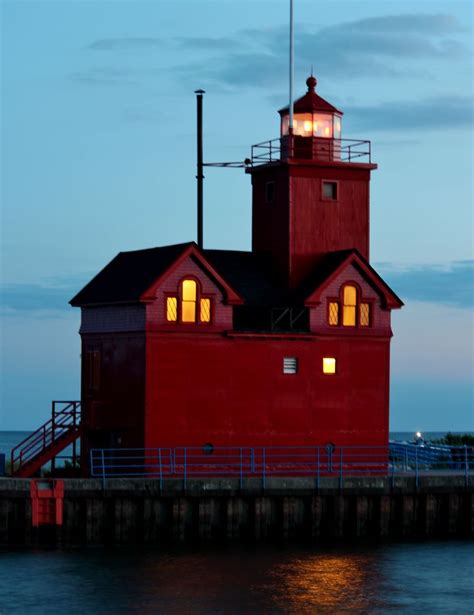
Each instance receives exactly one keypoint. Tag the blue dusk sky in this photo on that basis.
(98, 156)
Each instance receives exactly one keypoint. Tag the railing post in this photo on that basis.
(53, 417)
(317, 468)
(74, 425)
(53, 434)
(161, 469)
(466, 465)
(103, 467)
(185, 469)
(416, 466)
(341, 478)
(392, 456)
(241, 469)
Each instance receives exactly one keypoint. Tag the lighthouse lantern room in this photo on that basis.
(313, 116)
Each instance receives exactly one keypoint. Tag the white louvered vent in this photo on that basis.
(290, 365)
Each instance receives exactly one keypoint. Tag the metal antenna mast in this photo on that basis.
(292, 68)
(200, 168)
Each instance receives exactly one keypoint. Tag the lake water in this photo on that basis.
(401, 578)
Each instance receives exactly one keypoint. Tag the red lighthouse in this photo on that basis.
(288, 344)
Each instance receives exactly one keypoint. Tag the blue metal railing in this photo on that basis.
(184, 463)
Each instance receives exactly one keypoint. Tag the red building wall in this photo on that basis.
(113, 406)
(233, 391)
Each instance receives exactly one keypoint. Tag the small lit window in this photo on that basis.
(290, 365)
(349, 307)
(330, 191)
(333, 316)
(205, 315)
(269, 192)
(188, 303)
(364, 316)
(172, 309)
(329, 365)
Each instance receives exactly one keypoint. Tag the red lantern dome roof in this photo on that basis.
(311, 102)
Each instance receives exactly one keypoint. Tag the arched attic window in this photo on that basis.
(189, 305)
(349, 305)
(349, 310)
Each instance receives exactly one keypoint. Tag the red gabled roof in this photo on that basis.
(338, 261)
(131, 277)
(245, 277)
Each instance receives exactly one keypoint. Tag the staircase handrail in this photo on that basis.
(61, 422)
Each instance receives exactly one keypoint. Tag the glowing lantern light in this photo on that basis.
(314, 118)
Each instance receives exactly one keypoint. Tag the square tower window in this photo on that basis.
(329, 191)
(290, 365)
(269, 192)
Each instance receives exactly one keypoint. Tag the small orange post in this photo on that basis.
(46, 502)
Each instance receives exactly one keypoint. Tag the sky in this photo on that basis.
(98, 156)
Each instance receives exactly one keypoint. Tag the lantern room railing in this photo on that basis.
(313, 148)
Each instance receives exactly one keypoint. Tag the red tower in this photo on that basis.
(314, 198)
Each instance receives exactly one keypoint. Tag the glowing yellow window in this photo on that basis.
(188, 303)
(172, 309)
(205, 310)
(333, 316)
(349, 307)
(329, 365)
(364, 317)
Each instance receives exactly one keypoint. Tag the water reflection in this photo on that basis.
(406, 578)
(334, 582)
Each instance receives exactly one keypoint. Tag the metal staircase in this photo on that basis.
(44, 444)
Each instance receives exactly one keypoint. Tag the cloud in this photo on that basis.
(53, 295)
(448, 285)
(455, 111)
(30, 297)
(131, 43)
(106, 77)
(396, 46)
(374, 47)
(214, 44)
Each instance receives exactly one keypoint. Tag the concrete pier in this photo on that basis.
(143, 511)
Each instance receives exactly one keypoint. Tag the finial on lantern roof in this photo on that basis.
(311, 82)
